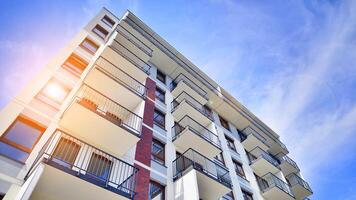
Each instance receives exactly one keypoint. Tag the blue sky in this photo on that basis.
(291, 62)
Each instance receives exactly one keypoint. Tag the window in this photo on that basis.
(224, 123)
(160, 94)
(220, 158)
(156, 191)
(247, 195)
(108, 21)
(66, 152)
(157, 151)
(161, 76)
(99, 166)
(89, 46)
(229, 196)
(100, 31)
(20, 138)
(75, 65)
(230, 143)
(159, 118)
(238, 168)
(53, 93)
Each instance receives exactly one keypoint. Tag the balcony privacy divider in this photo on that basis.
(120, 76)
(191, 159)
(87, 162)
(184, 97)
(270, 180)
(188, 123)
(182, 78)
(109, 109)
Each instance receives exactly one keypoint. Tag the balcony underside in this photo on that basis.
(300, 192)
(188, 139)
(55, 184)
(183, 87)
(112, 89)
(275, 193)
(252, 141)
(277, 148)
(210, 189)
(125, 65)
(287, 168)
(131, 46)
(261, 167)
(93, 128)
(184, 109)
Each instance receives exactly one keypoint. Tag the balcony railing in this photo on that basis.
(188, 123)
(109, 109)
(134, 40)
(294, 179)
(250, 131)
(193, 159)
(285, 158)
(184, 97)
(258, 153)
(87, 162)
(118, 75)
(190, 83)
(130, 56)
(270, 181)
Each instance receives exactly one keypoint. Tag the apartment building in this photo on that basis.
(121, 114)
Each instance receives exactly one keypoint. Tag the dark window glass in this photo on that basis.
(156, 191)
(66, 152)
(230, 143)
(160, 95)
(247, 195)
(229, 196)
(159, 118)
(100, 31)
(99, 166)
(89, 46)
(224, 123)
(238, 168)
(108, 21)
(75, 65)
(20, 138)
(220, 158)
(157, 151)
(161, 76)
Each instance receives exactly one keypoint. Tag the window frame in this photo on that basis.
(20, 147)
(162, 187)
(72, 70)
(244, 192)
(163, 126)
(108, 21)
(155, 157)
(230, 143)
(161, 76)
(91, 42)
(162, 93)
(222, 161)
(224, 123)
(100, 29)
(239, 169)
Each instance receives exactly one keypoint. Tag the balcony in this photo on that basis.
(129, 62)
(115, 83)
(251, 139)
(101, 121)
(181, 83)
(300, 187)
(68, 168)
(278, 147)
(274, 188)
(287, 165)
(262, 162)
(212, 179)
(184, 103)
(188, 133)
